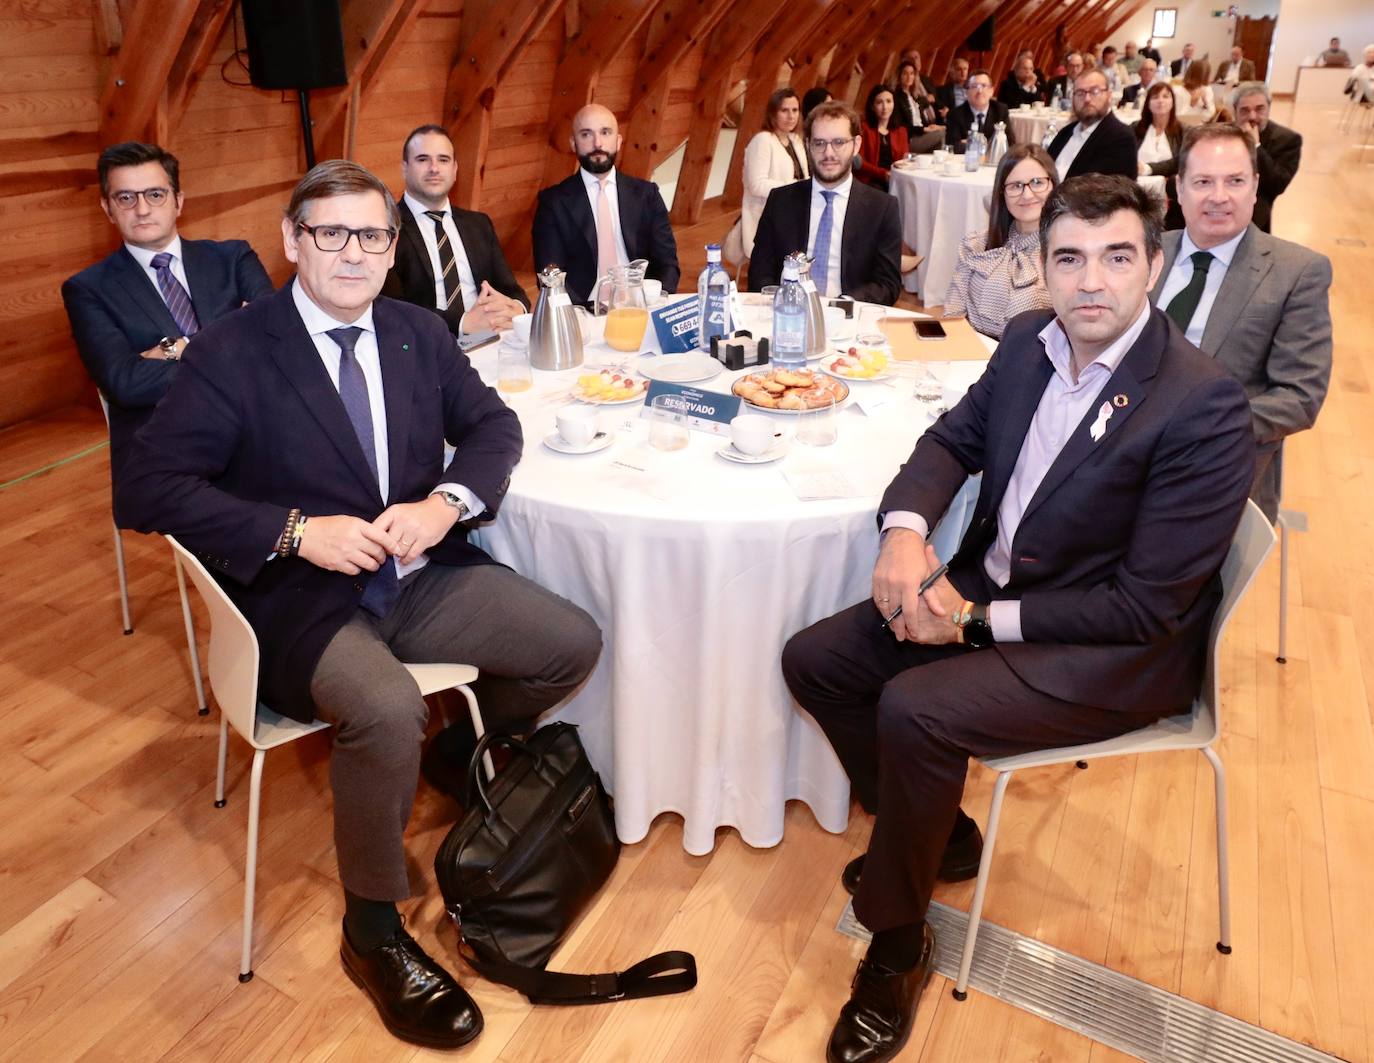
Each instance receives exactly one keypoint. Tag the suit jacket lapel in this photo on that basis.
(628, 204)
(193, 260)
(410, 233)
(1243, 276)
(299, 361)
(1125, 391)
(576, 191)
(1012, 432)
(134, 279)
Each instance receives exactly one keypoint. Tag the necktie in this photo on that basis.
(606, 257)
(820, 264)
(383, 589)
(452, 289)
(978, 123)
(1183, 305)
(175, 296)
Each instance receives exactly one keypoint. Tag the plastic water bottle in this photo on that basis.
(1057, 103)
(787, 349)
(1051, 131)
(973, 153)
(713, 299)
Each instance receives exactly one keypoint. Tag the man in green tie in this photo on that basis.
(1255, 303)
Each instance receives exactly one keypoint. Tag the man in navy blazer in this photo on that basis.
(300, 455)
(1097, 141)
(600, 217)
(1116, 459)
(121, 308)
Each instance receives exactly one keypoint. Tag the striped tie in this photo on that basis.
(452, 310)
(174, 295)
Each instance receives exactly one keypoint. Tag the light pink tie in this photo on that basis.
(606, 256)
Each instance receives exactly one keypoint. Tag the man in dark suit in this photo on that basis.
(1073, 67)
(133, 312)
(1096, 141)
(1134, 95)
(1073, 611)
(852, 232)
(978, 113)
(1151, 52)
(1278, 149)
(448, 260)
(599, 217)
(1023, 85)
(300, 456)
(952, 93)
(1257, 304)
(1179, 67)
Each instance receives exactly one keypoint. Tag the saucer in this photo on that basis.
(773, 453)
(600, 441)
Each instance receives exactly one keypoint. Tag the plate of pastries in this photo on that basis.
(790, 389)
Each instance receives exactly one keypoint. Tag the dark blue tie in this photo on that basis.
(175, 296)
(383, 589)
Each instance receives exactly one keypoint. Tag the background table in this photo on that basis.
(697, 571)
(937, 212)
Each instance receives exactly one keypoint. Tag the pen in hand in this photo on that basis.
(926, 584)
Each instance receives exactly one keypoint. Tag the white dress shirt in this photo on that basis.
(144, 258)
(1182, 273)
(467, 284)
(915, 108)
(593, 183)
(1075, 143)
(318, 323)
(1154, 146)
(1064, 404)
(840, 205)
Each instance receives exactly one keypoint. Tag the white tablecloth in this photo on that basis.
(937, 211)
(1029, 127)
(698, 570)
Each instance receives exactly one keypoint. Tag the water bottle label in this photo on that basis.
(715, 314)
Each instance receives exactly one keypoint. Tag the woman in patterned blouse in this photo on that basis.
(1000, 274)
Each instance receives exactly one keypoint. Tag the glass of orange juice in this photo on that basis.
(625, 327)
(513, 370)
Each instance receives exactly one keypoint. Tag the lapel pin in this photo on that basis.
(406, 347)
(1099, 427)
(1120, 401)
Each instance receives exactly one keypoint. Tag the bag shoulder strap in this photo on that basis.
(659, 975)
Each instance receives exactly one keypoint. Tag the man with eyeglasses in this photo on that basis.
(300, 456)
(1097, 141)
(132, 313)
(1073, 67)
(979, 113)
(852, 232)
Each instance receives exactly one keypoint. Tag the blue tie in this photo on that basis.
(820, 264)
(383, 589)
(174, 295)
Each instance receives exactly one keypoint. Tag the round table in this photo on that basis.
(698, 570)
(1029, 127)
(937, 211)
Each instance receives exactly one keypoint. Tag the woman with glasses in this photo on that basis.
(999, 274)
(884, 139)
(1159, 135)
(775, 156)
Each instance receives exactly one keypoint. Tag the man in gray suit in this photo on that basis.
(1255, 303)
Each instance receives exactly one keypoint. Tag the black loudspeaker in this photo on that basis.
(980, 40)
(294, 44)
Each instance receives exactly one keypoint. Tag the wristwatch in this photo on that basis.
(169, 348)
(457, 503)
(973, 623)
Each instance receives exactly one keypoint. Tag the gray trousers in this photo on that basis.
(532, 647)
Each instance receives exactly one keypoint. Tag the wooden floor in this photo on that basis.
(120, 883)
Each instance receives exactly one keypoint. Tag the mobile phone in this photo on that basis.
(929, 330)
(471, 341)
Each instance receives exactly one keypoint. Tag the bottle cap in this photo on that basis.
(713, 252)
(789, 270)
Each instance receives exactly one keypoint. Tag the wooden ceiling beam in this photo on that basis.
(151, 37)
(1132, 9)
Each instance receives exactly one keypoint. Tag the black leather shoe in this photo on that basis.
(958, 864)
(875, 1023)
(417, 999)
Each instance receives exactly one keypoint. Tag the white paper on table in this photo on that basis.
(634, 474)
(814, 483)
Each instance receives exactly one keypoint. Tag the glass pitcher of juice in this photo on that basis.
(620, 297)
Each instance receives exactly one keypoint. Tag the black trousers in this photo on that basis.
(904, 719)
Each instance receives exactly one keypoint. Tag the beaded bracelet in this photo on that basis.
(288, 534)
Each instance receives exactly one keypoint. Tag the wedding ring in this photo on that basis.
(884, 599)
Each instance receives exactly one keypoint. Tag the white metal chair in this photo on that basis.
(187, 622)
(234, 679)
(1198, 729)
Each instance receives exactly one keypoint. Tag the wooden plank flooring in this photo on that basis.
(120, 884)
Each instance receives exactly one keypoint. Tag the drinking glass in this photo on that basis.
(869, 332)
(929, 391)
(667, 424)
(818, 427)
(513, 370)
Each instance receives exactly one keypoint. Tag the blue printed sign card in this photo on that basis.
(677, 325)
(704, 411)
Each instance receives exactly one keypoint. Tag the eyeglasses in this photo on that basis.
(1089, 94)
(336, 237)
(127, 199)
(1035, 184)
(837, 146)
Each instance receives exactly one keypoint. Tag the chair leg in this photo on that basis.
(123, 580)
(478, 728)
(1283, 588)
(202, 708)
(223, 753)
(1223, 852)
(975, 914)
(250, 869)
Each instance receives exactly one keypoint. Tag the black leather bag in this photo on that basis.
(527, 859)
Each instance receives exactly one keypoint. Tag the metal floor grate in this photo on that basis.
(1113, 1009)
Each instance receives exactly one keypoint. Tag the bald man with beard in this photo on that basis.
(600, 217)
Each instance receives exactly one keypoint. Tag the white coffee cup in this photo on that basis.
(520, 325)
(653, 291)
(752, 433)
(578, 425)
(923, 162)
(838, 327)
(939, 155)
(950, 166)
